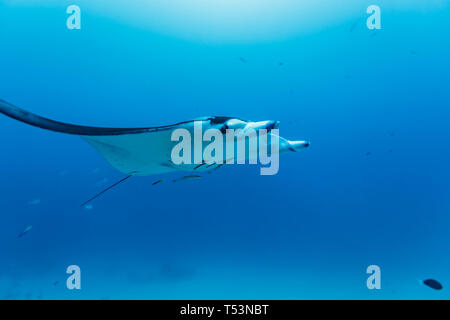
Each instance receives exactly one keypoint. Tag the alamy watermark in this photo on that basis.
(374, 20)
(74, 20)
(74, 280)
(228, 148)
(374, 280)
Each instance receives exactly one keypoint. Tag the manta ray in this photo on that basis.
(147, 150)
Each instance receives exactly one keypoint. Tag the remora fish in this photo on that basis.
(157, 181)
(192, 176)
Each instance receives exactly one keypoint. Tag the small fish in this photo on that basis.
(24, 232)
(199, 165)
(88, 207)
(243, 60)
(368, 153)
(220, 164)
(280, 64)
(413, 52)
(192, 176)
(55, 283)
(433, 284)
(158, 181)
(35, 202)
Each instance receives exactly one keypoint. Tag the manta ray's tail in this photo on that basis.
(103, 191)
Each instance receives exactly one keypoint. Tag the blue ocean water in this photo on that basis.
(373, 188)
